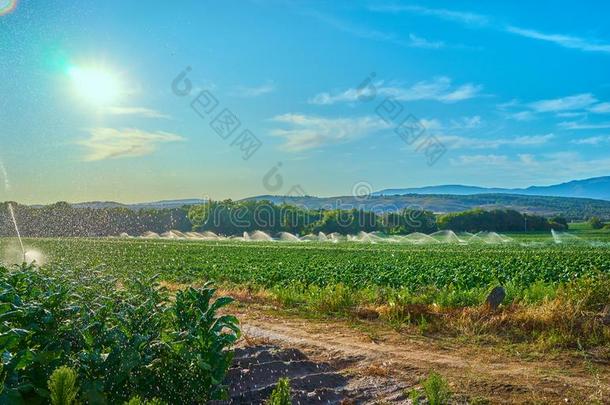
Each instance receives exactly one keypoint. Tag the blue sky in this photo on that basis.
(516, 93)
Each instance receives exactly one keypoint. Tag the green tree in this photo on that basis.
(596, 223)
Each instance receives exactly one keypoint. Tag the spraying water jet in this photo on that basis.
(10, 209)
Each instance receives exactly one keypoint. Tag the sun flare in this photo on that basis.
(96, 85)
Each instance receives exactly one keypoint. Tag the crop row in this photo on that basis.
(273, 264)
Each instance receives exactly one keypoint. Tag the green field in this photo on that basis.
(357, 265)
(96, 305)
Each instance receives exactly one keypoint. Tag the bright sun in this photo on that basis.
(96, 85)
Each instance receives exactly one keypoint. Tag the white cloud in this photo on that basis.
(484, 160)
(565, 41)
(575, 102)
(552, 166)
(431, 124)
(466, 122)
(357, 31)
(256, 91)
(460, 142)
(527, 158)
(463, 17)
(570, 114)
(601, 108)
(439, 89)
(581, 125)
(419, 42)
(111, 143)
(522, 116)
(364, 32)
(478, 20)
(593, 140)
(309, 132)
(140, 111)
(578, 105)
(462, 123)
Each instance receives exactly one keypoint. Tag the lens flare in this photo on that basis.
(7, 6)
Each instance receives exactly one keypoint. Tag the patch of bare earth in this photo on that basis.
(331, 361)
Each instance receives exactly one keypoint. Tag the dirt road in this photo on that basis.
(368, 363)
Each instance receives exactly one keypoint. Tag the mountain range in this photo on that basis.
(596, 188)
(137, 206)
(578, 199)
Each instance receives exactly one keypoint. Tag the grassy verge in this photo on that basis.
(550, 316)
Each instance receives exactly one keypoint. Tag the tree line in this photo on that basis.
(235, 217)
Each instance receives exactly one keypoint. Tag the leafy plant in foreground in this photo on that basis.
(62, 386)
(122, 338)
(199, 346)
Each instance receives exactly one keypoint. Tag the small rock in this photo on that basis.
(495, 297)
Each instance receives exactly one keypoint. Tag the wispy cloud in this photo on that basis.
(366, 32)
(352, 29)
(309, 132)
(462, 123)
(439, 89)
(569, 103)
(571, 114)
(522, 116)
(566, 41)
(419, 42)
(601, 108)
(463, 17)
(477, 20)
(583, 125)
(139, 111)
(111, 143)
(255, 91)
(552, 165)
(466, 122)
(484, 160)
(460, 142)
(577, 105)
(593, 140)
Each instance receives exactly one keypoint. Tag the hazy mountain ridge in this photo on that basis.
(136, 206)
(596, 188)
(578, 199)
(572, 208)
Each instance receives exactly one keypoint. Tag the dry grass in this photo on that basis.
(377, 370)
(573, 318)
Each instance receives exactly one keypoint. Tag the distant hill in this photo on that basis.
(578, 199)
(597, 188)
(137, 206)
(572, 208)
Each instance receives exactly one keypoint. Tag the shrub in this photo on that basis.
(596, 223)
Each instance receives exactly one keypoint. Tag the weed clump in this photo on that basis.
(436, 389)
(281, 393)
